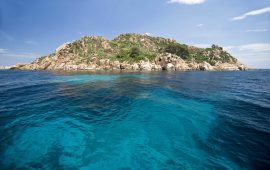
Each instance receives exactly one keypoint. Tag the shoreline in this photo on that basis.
(129, 71)
(161, 63)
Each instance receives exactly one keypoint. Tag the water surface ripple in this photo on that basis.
(160, 120)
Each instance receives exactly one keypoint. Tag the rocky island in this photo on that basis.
(133, 52)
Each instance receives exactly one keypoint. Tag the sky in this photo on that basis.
(33, 28)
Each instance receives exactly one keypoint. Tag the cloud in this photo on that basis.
(22, 55)
(259, 47)
(187, 2)
(202, 45)
(252, 13)
(228, 48)
(2, 50)
(7, 53)
(147, 33)
(31, 42)
(257, 30)
(8, 57)
(255, 47)
(199, 25)
(256, 55)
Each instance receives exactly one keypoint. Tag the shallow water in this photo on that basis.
(160, 120)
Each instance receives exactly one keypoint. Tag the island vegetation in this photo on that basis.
(133, 52)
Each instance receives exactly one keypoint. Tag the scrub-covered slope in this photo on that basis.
(133, 52)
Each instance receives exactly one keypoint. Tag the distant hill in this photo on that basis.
(133, 52)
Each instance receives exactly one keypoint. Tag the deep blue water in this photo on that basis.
(160, 120)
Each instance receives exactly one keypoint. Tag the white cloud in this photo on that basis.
(259, 47)
(228, 48)
(255, 47)
(199, 25)
(147, 33)
(31, 42)
(257, 30)
(11, 58)
(22, 55)
(2, 50)
(187, 2)
(202, 45)
(6, 53)
(252, 13)
(256, 55)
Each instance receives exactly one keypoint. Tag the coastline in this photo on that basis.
(129, 71)
(168, 62)
(134, 52)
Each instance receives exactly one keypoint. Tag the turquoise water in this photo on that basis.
(161, 120)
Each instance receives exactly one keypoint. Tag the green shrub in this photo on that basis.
(123, 53)
(134, 52)
(151, 56)
(177, 49)
(212, 63)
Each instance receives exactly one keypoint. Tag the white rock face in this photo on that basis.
(242, 67)
(227, 66)
(145, 65)
(156, 67)
(135, 66)
(116, 65)
(206, 67)
(63, 46)
(170, 66)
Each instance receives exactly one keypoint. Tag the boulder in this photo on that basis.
(91, 66)
(145, 65)
(82, 66)
(156, 67)
(194, 66)
(135, 66)
(170, 66)
(227, 66)
(205, 67)
(180, 64)
(61, 47)
(115, 65)
(106, 46)
(242, 67)
(125, 66)
(101, 62)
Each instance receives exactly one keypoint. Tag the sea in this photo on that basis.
(135, 120)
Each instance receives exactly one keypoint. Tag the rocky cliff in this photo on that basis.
(133, 52)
